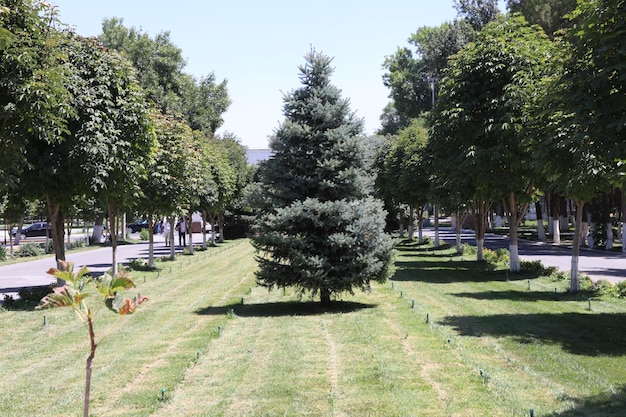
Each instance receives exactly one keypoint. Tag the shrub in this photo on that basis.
(3, 254)
(29, 249)
(467, 249)
(536, 268)
(604, 287)
(496, 257)
(620, 289)
(139, 264)
(144, 234)
(28, 298)
(558, 276)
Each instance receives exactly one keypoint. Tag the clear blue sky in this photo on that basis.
(258, 45)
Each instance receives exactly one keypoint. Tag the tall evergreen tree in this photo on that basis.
(320, 230)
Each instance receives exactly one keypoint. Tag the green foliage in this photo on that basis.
(28, 250)
(620, 289)
(496, 257)
(29, 297)
(4, 254)
(144, 234)
(318, 228)
(160, 63)
(537, 269)
(549, 14)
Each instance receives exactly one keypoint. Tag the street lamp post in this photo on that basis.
(432, 81)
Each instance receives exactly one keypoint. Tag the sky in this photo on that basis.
(257, 46)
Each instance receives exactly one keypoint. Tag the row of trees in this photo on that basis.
(108, 124)
(519, 111)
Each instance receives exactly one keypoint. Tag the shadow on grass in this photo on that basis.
(525, 295)
(605, 404)
(585, 334)
(291, 308)
(446, 272)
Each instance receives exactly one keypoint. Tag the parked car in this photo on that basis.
(35, 229)
(137, 226)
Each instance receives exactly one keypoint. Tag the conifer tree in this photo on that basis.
(320, 230)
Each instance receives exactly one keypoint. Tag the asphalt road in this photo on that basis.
(596, 264)
(33, 273)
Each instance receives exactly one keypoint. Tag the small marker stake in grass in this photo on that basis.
(427, 318)
(532, 412)
(241, 300)
(45, 320)
(162, 394)
(219, 331)
(482, 375)
(197, 355)
(412, 303)
(392, 287)
(400, 294)
(507, 277)
(528, 285)
(589, 301)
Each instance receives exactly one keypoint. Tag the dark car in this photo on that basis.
(138, 226)
(35, 229)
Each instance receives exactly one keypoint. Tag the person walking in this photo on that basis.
(182, 231)
(166, 232)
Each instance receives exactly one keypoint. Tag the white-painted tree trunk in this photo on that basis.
(574, 276)
(623, 238)
(514, 258)
(541, 233)
(584, 233)
(480, 245)
(498, 221)
(556, 232)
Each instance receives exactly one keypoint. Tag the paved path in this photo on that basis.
(33, 273)
(597, 264)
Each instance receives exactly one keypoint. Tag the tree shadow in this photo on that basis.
(512, 295)
(612, 404)
(282, 309)
(587, 334)
(446, 272)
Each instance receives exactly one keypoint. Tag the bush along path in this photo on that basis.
(446, 336)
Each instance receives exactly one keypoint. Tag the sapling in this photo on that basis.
(73, 294)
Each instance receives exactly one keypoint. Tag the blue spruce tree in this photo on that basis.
(319, 230)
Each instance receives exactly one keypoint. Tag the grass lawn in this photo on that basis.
(445, 337)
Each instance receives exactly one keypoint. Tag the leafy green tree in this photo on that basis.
(549, 14)
(160, 65)
(477, 12)
(112, 132)
(166, 174)
(406, 172)
(580, 112)
(482, 113)
(33, 98)
(321, 230)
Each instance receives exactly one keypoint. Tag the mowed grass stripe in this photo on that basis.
(157, 341)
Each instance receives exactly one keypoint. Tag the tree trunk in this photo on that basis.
(150, 241)
(189, 227)
(98, 228)
(172, 220)
(436, 212)
(204, 222)
(220, 220)
(212, 220)
(420, 225)
(480, 221)
(113, 234)
(411, 223)
(325, 296)
(513, 227)
(541, 233)
(55, 214)
(623, 221)
(92, 354)
(556, 226)
(18, 231)
(574, 277)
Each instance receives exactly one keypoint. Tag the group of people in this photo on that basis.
(183, 227)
